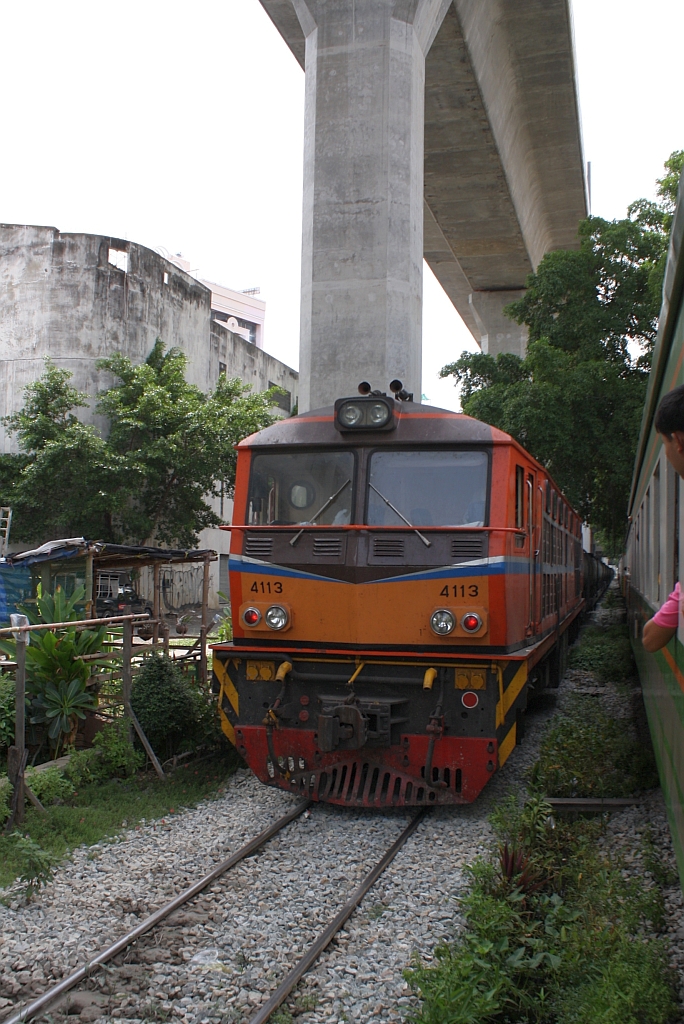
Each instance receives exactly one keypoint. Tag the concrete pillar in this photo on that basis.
(497, 332)
(362, 250)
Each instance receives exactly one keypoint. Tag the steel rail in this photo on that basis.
(84, 972)
(324, 939)
(590, 803)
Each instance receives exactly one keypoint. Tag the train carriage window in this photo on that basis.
(548, 498)
(290, 488)
(429, 488)
(519, 497)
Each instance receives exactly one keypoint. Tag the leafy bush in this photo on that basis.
(172, 713)
(50, 785)
(84, 767)
(568, 949)
(61, 706)
(587, 753)
(57, 677)
(7, 707)
(111, 756)
(5, 797)
(605, 651)
(118, 758)
(36, 863)
(631, 987)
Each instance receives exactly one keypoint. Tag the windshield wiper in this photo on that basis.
(424, 539)
(321, 511)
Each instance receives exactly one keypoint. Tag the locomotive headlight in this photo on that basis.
(372, 412)
(251, 616)
(350, 415)
(442, 622)
(277, 617)
(378, 414)
(471, 622)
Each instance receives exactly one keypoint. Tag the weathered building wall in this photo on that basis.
(63, 297)
(252, 364)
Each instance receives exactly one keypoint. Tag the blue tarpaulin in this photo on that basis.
(15, 587)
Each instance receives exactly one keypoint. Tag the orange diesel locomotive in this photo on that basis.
(399, 576)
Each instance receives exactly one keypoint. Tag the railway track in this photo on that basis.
(55, 995)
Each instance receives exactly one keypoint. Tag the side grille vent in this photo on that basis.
(330, 546)
(468, 546)
(388, 547)
(258, 547)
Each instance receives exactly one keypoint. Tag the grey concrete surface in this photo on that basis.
(363, 193)
(498, 333)
(503, 164)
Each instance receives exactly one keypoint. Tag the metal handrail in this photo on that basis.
(369, 526)
(141, 617)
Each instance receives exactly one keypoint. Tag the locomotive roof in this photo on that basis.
(415, 423)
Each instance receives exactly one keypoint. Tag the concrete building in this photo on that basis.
(241, 312)
(76, 298)
(447, 129)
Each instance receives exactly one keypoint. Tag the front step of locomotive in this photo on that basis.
(366, 733)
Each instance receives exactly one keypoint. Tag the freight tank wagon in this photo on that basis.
(399, 576)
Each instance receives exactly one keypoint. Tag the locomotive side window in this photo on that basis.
(428, 488)
(291, 488)
(519, 497)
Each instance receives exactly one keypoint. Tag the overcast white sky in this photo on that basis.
(179, 126)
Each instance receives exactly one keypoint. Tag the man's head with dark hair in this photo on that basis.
(670, 415)
(669, 423)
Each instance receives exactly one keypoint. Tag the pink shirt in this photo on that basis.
(668, 616)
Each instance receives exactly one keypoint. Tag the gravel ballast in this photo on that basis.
(222, 955)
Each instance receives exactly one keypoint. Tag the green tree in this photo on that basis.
(177, 443)
(169, 449)
(575, 400)
(65, 479)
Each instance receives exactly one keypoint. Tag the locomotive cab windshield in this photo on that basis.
(295, 488)
(399, 487)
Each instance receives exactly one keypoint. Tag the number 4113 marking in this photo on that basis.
(459, 590)
(265, 588)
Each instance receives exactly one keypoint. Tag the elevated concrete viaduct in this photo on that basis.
(443, 128)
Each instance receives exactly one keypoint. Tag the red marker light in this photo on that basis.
(470, 699)
(251, 617)
(471, 622)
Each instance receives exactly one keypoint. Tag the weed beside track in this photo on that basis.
(557, 930)
(89, 813)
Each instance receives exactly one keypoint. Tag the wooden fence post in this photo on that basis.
(156, 603)
(205, 622)
(126, 671)
(127, 679)
(16, 755)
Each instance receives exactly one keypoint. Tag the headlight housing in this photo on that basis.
(442, 622)
(372, 412)
(277, 617)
